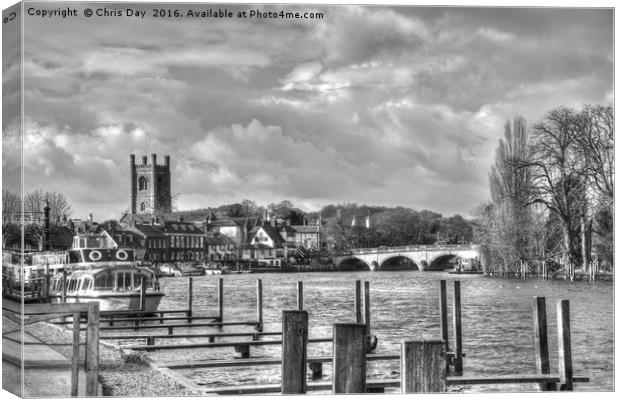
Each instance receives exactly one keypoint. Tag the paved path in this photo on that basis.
(47, 372)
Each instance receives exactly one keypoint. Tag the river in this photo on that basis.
(496, 313)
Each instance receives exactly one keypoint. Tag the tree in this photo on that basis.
(555, 169)
(60, 208)
(508, 217)
(11, 205)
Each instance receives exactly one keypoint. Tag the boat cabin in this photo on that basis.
(112, 280)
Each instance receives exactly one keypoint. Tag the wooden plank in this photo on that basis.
(75, 355)
(294, 347)
(443, 313)
(300, 295)
(358, 302)
(541, 344)
(264, 362)
(220, 299)
(150, 327)
(92, 350)
(423, 366)
(213, 345)
(565, 360)
(275, 388)
(389, 383)
(64, 285)
(183, 336)
(259, 305)
(45, 308)
(458, 336)
(349, 352)
(511, 379)
(160, 319)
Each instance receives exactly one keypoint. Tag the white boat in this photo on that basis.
(95, 268)
(117, 288)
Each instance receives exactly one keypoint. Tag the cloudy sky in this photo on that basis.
(376, 105)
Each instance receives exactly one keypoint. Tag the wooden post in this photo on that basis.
(190, 298)
(367, 307)
(64, 285)
(75, 355)
(142, 294)
(541, 344)
(259, 305)
(92, 349)
(47, 281)
(358, 302)
(294, 351)
(349, 358)
(458, 338)
(220, 300)
(443, 313)
(300, 295)
(423, 366)
(565, 366)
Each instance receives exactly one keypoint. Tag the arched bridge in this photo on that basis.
(416, 257)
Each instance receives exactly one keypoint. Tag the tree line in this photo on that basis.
(551, 189)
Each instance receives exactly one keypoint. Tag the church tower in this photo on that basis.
(149, 186)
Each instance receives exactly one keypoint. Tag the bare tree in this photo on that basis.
(60, 208)
(555, 169)
(11, 205)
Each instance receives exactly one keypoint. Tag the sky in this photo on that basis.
(393, 106)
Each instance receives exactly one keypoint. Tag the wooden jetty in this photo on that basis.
(426, 364)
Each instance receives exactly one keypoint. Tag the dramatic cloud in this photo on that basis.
(377, 105)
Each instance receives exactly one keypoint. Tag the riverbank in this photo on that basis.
(556, 275)
(119, 374)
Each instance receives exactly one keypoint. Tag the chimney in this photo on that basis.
(167, 160)
(46, 227)
(154, 159)
(90, 217)
(144, 160)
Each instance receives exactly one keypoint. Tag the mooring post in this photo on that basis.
(294, 351)
(92, 349)
(367, 307)
(349, 358)
(541, 343)
(220, 300)
(47, 281)
(423, 366)
(142, 294)
(358, 302)
(443, 313)
(458, 338)
(259, 305)
(75, 355)
(64, 285)
(300, 295)
(190, 299)
(565, 360)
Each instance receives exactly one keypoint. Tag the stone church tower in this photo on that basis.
(149, 186)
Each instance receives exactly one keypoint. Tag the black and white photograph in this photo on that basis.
(220, 198)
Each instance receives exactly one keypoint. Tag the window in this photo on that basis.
(143, 206)
(142, 183)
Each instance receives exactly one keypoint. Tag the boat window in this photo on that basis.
(104, 282)
(128, 284)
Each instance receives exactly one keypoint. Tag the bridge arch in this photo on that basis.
(353, 263)
(398, 262)
(443, 262)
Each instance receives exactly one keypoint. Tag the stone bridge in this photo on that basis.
(423, 257)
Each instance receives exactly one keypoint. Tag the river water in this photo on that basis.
(497, 322)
